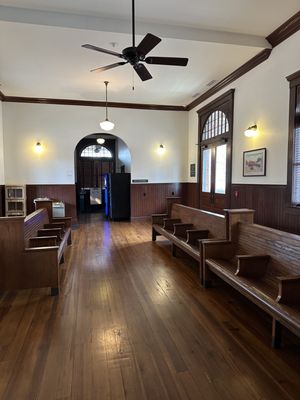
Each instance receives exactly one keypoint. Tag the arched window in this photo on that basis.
(216, 124)
(96, 151)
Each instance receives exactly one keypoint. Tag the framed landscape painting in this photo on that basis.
(254, 162)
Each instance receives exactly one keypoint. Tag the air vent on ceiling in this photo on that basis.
(211, 83)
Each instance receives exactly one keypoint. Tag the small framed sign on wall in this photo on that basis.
(192, 170)
(254, 162)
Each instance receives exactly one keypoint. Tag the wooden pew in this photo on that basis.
(186, 227)
(29, 255)
(264, 265)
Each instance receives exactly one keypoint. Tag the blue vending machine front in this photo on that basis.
(106, 194)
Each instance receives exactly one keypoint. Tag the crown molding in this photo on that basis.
(91, 103)
(287, 29)
(252, 63)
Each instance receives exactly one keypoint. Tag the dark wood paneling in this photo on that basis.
(148, 199)
(269, 203)
(91, 103)
(2, 201)
(252, 63)
(190, 194)
(287, 29)
(65, 193)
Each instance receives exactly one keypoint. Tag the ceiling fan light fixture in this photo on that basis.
(106, 125)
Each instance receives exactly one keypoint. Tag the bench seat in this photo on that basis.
(263, 264)
(185, 227)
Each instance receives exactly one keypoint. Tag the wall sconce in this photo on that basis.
(251, 131)
(38, 148)
(161, 149)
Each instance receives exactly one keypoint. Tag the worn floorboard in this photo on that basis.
(131, 322)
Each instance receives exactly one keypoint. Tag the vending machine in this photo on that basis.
(117, 196)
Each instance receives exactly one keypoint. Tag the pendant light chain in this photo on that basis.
(106, 113)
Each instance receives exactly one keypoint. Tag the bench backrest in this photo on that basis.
(282, 247)
(216, 224)
(33, 222)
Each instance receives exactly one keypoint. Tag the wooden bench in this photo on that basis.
(264, 265)
(31, 250)
(186, 227)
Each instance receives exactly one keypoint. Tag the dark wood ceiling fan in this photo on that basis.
(136, 56)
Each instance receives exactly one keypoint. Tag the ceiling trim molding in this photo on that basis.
(287, 29)
(123, 25)
(242, 70)
(91, 103)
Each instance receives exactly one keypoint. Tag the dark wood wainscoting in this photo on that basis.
(190, 194)
(65, 193)
(269, 203)
(2, 201)
(147, 199)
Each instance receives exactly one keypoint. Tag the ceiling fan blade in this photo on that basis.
(147, 44)
(180, 62)
(101, 69)
(142, 72)
(112, 53)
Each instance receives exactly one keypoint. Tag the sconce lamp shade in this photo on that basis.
(251, 131)
(38, 147)
(161, 149)
(107, 125)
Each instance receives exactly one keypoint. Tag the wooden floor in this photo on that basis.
(131, 322)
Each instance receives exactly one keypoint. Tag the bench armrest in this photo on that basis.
(66, 220)
(252, 266)
(41, 249)
(43, 241)
(61, 225)
(50, 232)
(212, 248)
(193, 235)
(158, 219)
(181, 228)
(289, 289)
(169, 222)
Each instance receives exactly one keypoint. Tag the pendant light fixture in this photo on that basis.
(106, 125)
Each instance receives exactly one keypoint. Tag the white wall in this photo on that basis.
(2, 181)
(262, 97)
(123, 156)
(59, 128)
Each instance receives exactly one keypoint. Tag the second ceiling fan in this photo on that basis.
(136, 56)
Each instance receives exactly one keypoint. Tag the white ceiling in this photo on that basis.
(41, 54)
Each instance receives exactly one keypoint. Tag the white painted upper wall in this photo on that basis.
(59, 128)
(1, 148)
(261, 97)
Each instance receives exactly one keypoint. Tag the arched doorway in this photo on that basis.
(97, 157)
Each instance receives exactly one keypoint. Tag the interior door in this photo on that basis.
(215, 136)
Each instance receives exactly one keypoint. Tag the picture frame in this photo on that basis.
(254, 162)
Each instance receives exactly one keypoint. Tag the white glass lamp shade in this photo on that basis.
(107, 125)
(100, 140)
(251, 131)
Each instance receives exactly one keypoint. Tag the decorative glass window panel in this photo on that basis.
(96, 151)
(220, 178)
(206, 170)
(216, 124)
